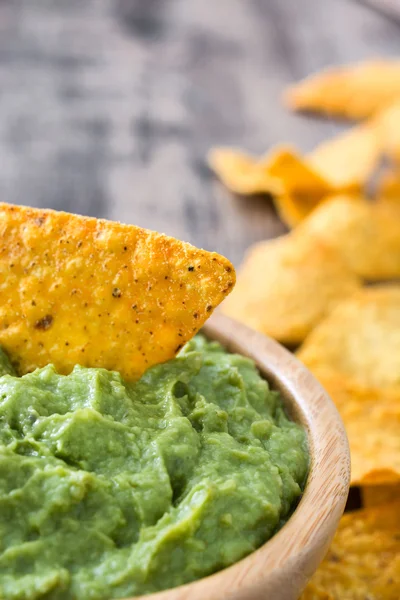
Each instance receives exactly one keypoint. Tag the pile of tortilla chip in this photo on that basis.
(330, 288)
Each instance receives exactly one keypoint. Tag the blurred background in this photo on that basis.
(108, 107)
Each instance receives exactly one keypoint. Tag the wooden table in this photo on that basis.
(108, 107)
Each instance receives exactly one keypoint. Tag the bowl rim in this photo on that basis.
(292, 555)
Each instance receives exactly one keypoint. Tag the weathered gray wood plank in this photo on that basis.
(108, 107)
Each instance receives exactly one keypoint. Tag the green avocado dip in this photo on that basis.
(109, 489)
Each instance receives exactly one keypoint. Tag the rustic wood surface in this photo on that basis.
(280, 569)
(108, 107)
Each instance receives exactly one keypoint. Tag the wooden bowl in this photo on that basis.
(280, 569)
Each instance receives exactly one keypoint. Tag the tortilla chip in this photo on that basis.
(242, 173)
(372, 420)
(366, 234)
(348, 160)
(365, 549)
(298, 184)
(354, 91)
(376, 495)
(359, 339)
(77, 290)
(286, 285)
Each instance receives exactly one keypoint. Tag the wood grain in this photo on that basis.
(280, 569)
(108, 107)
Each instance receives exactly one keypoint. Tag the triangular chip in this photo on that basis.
(101, 294)
(285, 286)
(242, 173)
(367, 235)
(296, 183)
(354, 91)
(359, 339)
(365, 549)
(372, 420)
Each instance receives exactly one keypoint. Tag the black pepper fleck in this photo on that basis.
(116, 293)
(209, 308)
(44, 323)
(190, 268)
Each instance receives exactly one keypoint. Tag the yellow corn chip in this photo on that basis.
(354, 91)
(77, 290)
(285, 286)
(359, 339)
(298, 184)
(242, 173)
(366, 234)
(349, 159)
(365, 549)
(376, 495)
(372, 420)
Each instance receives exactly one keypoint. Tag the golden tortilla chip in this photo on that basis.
(359, 339)
(366, 234)
(376, 495)
(298, 184)
(372, 420)
(365, 549)
(348, 160)
(354, 91)
(286, 285)
(77, 290)
(242, 173)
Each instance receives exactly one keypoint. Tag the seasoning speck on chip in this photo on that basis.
(77, 290)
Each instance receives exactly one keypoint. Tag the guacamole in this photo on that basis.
(109, 489)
